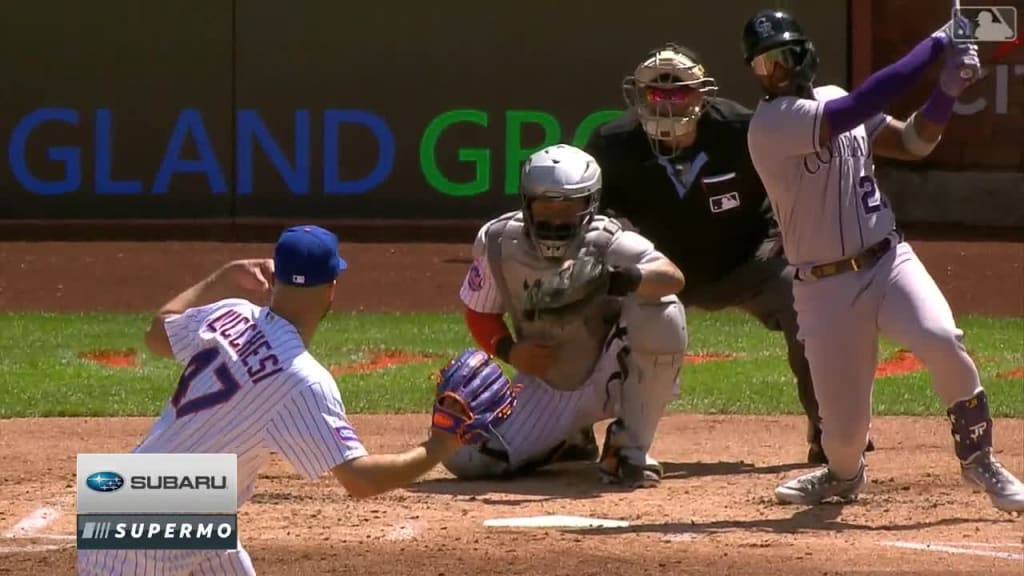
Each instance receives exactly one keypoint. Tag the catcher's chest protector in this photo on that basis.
(515, 265)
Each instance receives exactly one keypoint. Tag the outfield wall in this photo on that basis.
(248, 111)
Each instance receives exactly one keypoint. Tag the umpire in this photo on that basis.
(677, 168)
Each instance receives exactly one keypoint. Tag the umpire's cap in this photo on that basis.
(307, 256)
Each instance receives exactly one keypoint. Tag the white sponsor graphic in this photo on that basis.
(157, 483)
(986, 24)
(164, 530)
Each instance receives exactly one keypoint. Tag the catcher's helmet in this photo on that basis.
(559, 172)
(668, 91)
(774, 36)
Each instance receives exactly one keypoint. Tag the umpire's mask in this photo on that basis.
(552, 176)
(668, 91)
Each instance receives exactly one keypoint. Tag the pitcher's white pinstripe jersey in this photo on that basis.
(249, 387)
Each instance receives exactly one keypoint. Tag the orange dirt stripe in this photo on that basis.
(1017, 374)
(126, 358)
(702, 357)
(380, 360)
(901, 362)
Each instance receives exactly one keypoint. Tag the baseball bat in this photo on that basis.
(965, 74)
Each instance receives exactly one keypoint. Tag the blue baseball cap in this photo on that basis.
(307, 256)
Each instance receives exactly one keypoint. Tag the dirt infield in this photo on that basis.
(983, 277)
(712, 516)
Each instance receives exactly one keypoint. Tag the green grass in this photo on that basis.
(41, 374)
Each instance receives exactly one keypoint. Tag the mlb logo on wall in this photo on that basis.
(157, 501)
(986, 24)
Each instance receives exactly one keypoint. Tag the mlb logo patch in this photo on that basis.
(985, 24)
(724, 202)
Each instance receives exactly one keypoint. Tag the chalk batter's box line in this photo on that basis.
(943, 549)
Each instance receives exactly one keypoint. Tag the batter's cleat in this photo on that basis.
(985, 474)
(819, 487)
(630, 467)
(816, 454)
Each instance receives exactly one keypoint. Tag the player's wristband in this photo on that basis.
(503, 348)
(625, 280)
(939, 107)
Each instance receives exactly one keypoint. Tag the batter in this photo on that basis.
(856, 276)
(619, 357)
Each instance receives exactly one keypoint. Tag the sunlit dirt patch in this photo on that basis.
(899, 363)
(381, 359)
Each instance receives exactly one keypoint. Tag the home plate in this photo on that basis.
(554, 521)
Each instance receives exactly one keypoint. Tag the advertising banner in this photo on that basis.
(258, 109)
(157, 501)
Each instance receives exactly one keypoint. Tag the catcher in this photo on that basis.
(250, 387)
(597, 331)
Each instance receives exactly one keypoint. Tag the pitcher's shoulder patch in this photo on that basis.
(475, 280)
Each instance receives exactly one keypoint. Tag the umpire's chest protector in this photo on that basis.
(515, 265)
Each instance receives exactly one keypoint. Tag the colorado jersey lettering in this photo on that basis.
(842, 211)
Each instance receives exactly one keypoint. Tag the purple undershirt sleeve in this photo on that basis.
(883, 87)
(939, 106)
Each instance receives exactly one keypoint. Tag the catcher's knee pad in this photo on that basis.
(477, 462)
(658, 339)
(655, 327)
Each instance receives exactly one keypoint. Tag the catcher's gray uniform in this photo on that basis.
(619, 357)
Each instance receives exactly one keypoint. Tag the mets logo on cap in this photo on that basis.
(307, 256)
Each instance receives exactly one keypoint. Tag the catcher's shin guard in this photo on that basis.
(657, 338)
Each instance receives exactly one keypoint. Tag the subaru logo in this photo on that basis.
(105, 481)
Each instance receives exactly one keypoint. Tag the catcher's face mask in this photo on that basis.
(668, 91)
(560, 187)
(558, 222)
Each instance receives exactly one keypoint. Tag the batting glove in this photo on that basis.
(961, 57)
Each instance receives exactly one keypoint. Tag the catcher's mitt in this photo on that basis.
(574, 287)
(473, 395)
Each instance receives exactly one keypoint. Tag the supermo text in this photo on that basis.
(171, 531)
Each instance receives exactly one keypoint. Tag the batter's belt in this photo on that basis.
(866, 259)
